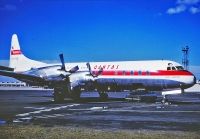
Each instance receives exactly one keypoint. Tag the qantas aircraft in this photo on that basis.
(68, 79)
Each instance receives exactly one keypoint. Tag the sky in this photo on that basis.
(102, 30)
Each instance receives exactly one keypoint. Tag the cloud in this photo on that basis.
(188, 2)
(176, 10)
(194, 10)
(185, 5)
(8, 7)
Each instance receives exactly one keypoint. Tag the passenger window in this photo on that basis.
(132, 72)
(139, 72)
(148, 73)
(168, 68)
(173, 68)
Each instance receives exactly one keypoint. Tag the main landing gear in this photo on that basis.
(75, 94)
(103, 96)
(60, 94)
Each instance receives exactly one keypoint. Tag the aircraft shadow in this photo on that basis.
(82, 100)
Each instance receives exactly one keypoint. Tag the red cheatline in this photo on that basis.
(144, 73)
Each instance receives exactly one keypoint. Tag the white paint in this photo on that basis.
(98, 108)
(41, 108)
(172, 92)
(46, 110)
(17, 121)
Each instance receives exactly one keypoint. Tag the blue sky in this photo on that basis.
(102, 30)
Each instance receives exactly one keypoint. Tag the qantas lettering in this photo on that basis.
(106, 67)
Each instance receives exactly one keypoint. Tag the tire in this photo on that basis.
(103, 96)
(76, 94)
(58, 95)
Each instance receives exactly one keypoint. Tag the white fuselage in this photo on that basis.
(153, 75)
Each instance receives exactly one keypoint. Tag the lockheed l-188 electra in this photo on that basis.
(69, 79)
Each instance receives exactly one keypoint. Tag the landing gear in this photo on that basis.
(182, 89)
(164, 99)
(76, 93)
(58, 95)
(103, 96)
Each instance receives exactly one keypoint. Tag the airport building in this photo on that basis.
(12, 84)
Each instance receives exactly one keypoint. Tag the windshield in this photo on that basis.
(179, 68)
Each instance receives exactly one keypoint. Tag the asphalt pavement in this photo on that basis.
(38, 107)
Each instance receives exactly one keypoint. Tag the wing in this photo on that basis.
(6, 68)
(23, 77)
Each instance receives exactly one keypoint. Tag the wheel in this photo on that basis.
(58, 95)
(103, 96)
(76, 93)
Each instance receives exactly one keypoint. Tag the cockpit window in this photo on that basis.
(179, 68)
(173, 68)
(168, 68)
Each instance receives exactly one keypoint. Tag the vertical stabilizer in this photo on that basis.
(18, 61)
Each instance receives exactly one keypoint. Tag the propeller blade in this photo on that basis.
(99, 72)
(94, 75)
(74, 69)
(62, 62)
(89, 67)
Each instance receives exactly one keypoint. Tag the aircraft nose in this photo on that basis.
(195, 80)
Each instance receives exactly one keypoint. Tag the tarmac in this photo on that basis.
(37, 107)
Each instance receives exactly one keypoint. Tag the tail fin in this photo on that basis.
(18, 61)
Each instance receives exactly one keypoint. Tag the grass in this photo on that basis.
(38, 132)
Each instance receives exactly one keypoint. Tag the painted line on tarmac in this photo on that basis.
(51, 116)
(25, 119)
(46, 110)
(151, 111)
(139, 111)
(35, 108)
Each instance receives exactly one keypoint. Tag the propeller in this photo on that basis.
(94, 75)
(72, 70)
(62, 62)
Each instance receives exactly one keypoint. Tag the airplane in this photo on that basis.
(69, 79)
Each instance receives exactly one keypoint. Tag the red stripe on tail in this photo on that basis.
(16, 52)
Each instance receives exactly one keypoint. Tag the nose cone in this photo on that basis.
(195, 80)
(190, 80)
